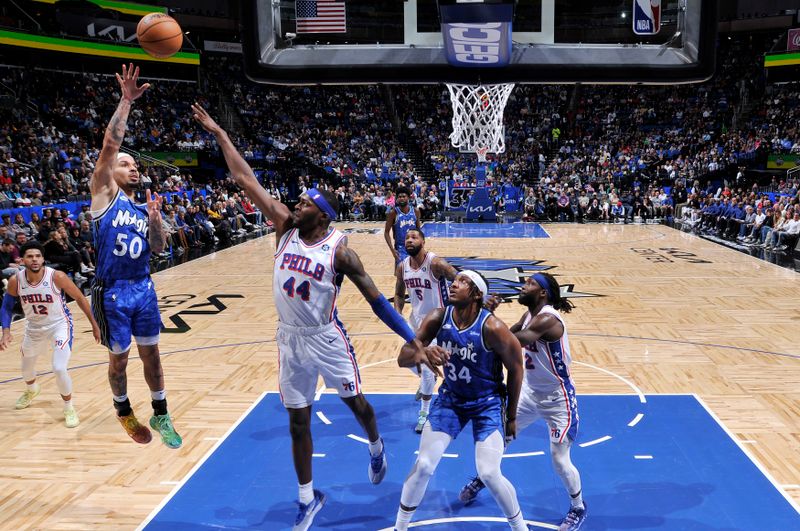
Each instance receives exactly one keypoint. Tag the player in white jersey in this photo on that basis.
(49, 323)
(548, 392)
(425, 277)
(311, 261)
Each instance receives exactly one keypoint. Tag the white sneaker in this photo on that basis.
(71, 417)
(86, 269)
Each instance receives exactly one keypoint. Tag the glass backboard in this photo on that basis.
(295, 42)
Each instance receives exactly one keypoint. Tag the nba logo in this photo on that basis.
(646, 17)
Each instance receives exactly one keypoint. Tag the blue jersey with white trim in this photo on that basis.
(473, 371)
(403, 222)
(121, 240)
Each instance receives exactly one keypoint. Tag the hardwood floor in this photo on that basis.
(676, 314)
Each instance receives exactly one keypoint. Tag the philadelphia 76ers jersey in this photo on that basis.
(547, 362)
(402, 223)
(473, 371)
(43, 303)
(425, 291)
(120, 240)
(304, 283)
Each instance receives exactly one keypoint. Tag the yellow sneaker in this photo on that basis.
(71, 418)
(26, 398)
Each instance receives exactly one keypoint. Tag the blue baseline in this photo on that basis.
(484, 230)
(698, 478)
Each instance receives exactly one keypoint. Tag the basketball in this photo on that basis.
(159, 35)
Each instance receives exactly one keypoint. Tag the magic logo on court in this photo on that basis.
(506, 277)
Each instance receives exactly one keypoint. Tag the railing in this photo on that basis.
(793, 171)
(149, 159)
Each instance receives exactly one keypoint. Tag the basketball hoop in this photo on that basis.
(478, 117)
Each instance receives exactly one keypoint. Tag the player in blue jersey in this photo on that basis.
(312, 259)
(401, 218)
(548, 392)
(124, 299)
(472, 346)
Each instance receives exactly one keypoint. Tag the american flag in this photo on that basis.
(320, 16)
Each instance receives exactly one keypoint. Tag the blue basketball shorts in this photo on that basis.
(125, 308)
(402, 254)
(450, 414)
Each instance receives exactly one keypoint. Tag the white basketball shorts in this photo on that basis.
(55, 339)
(558, 407)
(305, 353)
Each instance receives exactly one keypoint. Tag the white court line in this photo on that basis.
(636, 420)
(745, 452)
(630, 384)
(524, 454)
(210, 438)
(199, 463)
(748, 441)
(323, 418)
(436, 521)
(357, 438)
(596, 441)
(791, 486)
(642, 456)
(416, 452)
(317, 455)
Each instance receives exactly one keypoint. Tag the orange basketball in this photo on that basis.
(159, 35)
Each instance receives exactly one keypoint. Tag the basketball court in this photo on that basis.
(685, 364)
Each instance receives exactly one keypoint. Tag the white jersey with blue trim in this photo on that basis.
(43, 303)
(305, 284)
(426, 292)
(547, 363)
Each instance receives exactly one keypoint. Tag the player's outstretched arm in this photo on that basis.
(6, 311)
(243, 174)
(102, 185)
(506, 347)
(62, 281)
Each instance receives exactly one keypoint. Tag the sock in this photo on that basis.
(159, 407)
(403, 519)
(306, 493)
(517, 522)
(33, 387)
(576, 500)
(68, 404)
(123, 406)
(426, 405)
(375, 448)
(158, 395)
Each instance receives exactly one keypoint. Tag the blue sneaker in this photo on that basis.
(574, 519)
(470, 491)
(377, 465)
(306, 512)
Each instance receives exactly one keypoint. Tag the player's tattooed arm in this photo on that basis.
(442, 268)
(155, 229)
(102, 181)
(347, 262)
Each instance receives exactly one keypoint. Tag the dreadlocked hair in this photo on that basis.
(559, 303)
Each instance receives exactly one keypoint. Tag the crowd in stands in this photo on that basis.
(585, 153)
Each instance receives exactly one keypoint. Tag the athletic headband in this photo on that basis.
(321, 203)
(545, 285)
(121, 154)
(477, 280)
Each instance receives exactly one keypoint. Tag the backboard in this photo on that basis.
(296, 42)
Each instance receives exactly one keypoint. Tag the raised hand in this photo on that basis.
(6, 339)
(153, 206)
(204, 119)
(127, 83)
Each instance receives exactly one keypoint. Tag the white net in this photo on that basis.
(478, 117)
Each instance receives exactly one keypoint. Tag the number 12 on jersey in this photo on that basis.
(303, 290)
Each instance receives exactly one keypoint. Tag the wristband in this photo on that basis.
(392, 319)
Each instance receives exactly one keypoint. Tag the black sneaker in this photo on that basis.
(470, 491)
(574, 519)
